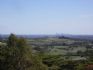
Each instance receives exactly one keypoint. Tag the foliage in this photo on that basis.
(15, 54)
(18, 56)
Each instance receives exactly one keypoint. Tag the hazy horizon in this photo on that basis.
(46, 17)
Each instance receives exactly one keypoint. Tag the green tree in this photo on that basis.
(17, 55)
(12, 41)
(80, 67)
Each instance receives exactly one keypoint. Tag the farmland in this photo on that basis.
(74, 49)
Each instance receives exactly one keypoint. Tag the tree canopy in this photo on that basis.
(17, 55)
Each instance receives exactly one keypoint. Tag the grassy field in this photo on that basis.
(67, 47)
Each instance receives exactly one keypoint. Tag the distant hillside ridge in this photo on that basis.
(84, 37)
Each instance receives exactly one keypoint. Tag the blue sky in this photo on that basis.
(46, 16)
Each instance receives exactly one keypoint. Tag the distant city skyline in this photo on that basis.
(46, 17)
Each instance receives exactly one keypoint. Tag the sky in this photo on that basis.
(46, 17)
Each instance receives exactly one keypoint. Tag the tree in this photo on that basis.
(17, 55)
(80, 67)
(12, 41)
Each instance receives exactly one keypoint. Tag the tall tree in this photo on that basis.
(18, 56)
(12, 41)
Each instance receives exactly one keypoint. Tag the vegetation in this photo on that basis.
(16, 55)
(61, 53)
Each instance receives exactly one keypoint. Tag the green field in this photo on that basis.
(73, 48)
